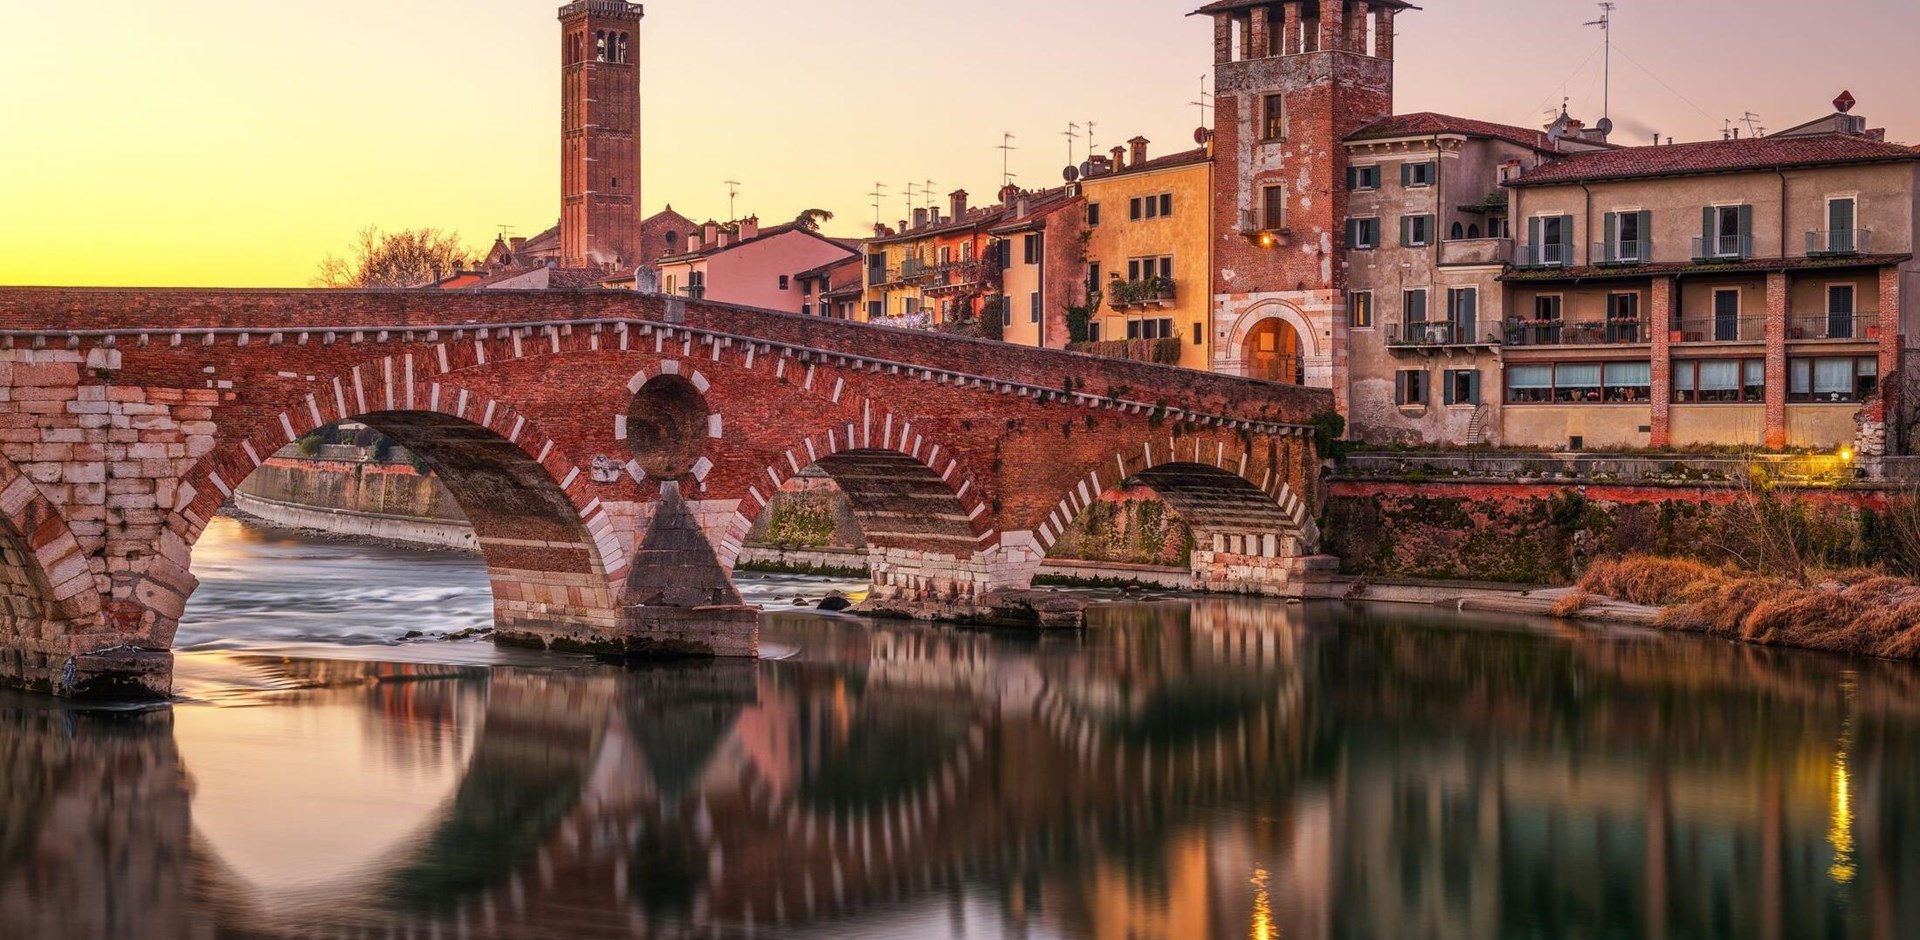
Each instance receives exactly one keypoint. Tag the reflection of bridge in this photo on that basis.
(611, 450)
(1238, 761)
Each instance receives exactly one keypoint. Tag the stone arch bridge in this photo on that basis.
(610, 449)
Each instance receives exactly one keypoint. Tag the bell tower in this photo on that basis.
(1292, 78)
(600, 134)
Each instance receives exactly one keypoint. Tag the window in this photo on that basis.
(1841, 238)
(1030, 249)
(1363, 234)
(1726, 232)
(1726, 315)
(1273, 207)
(1461, 387)
(1832, 379)
(966, 252)
(876, 309)
(806, 309)
(1576, 382)
(1033, 304)
(1413, 306)
(1198, 338)
(1840, 321)
(1093, 331)
(1417, 174)
(1529, 384)
(1459, 231)
(1158, 328)
(1273, 124)
(1623, 319)
(1360, 310)
(1093, 277)
(1463, 313)
(1363, 177)
(1416, 231)
(1006, 313)
(1136, 208)
(1166, 204)
(1719, 381)
(1139, 269)
(1410, 388)
(909, 306)
(946, 255)
(785, 281)
(1626, 382)
(1626, 236)
(1093, 214)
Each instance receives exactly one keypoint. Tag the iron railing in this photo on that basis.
(1835, 324)
(1843, 241)
(1620, 252)
(1718, 329)
(1441, 333)
(1546, 256)
(1723, 248)
(1576, 332)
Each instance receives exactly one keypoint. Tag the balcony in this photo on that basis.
(1839, 242)
(1835, 325)
(1476, 251)
(1576, 332)
(1146, 292)
(1545, 256)
(1621, 252)
(1718, 329)
(1723, 248)
(1431, 333)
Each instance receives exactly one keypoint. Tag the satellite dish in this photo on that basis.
(1070, 174)
(1086, 168)
(1201, 135)
(1605, 126)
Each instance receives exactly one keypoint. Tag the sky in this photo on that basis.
(235, 143)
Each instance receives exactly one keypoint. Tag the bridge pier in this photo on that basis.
(993, 587)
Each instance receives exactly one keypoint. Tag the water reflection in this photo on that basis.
(1187, 769)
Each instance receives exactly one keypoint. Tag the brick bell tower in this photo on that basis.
(600, 134)
(1291, 80)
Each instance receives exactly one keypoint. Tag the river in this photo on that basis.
(1187, 768)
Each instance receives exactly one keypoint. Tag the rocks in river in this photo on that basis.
(834, 602)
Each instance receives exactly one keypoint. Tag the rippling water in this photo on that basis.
(1187, 768)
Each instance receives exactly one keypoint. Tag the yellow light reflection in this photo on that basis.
(1262, 908)
(1840, 822)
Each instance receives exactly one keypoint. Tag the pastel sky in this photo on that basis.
(235, 142)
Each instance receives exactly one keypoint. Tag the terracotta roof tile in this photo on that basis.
(1717, 156)
(1747, 266)
(1428, 122)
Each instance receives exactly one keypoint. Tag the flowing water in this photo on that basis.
(1187, 768)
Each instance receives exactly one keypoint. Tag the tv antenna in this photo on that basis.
(1605, 22)
(1072, 134)
(1090, 141)
(911, 187)
(733, 192)
(1006, 149)
(928, 193)
(1204, 102)
(879, 189)
(1749, 117)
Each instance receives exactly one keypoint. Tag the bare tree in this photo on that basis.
(406, 258)
(1766, 529)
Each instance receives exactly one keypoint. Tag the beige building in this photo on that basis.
(1427, 240)
(1739, 292)
(1149, 256)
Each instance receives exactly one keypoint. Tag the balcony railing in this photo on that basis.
(1620, 252)
(1843, 325)
(1441, 333)
(1720, 330)
(1576, 332)
(1723, 248)
(1476, 251)
(1546, 256)
(1844, 241)
(1147, 292)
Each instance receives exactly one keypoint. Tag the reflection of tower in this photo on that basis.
(1291, 80)
(600, 133)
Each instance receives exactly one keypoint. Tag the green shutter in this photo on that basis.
(1646, 237)
(1353, 178)
(1706, 234)
(1473, 387)
(1746, 231)
(1406, 174)
(1533, 238)
(1446, 391)
(1609, 236)
(1399, 388)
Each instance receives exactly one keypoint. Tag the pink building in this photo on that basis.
(747, 265)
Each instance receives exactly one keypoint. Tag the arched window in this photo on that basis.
(1459, 231)
(623, 48)
(600, 46)
(672, 239)
(1473, 231)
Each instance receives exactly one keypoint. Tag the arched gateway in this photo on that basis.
(610, 449)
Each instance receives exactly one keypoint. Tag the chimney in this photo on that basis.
(709, 232)
(726, 238)
(749, 227)
(959, 198)
(514, 245)
(1022, 206)
(920, 218)
(1119, 158)
(879, 231)
(1008, 194)
(1139, 145)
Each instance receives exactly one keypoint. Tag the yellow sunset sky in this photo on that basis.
(236, 142)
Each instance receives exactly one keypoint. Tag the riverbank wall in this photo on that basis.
(339, 493)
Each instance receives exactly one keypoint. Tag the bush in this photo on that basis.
(1573, 603)
(1654, 582)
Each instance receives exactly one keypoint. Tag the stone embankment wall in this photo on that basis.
(1540, 520)
(341, 495)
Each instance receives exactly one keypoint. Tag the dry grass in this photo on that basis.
(1654, 582)
(1861, 616)
(1572, 603)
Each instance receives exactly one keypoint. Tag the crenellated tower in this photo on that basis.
(1292, 79)
(600, 134)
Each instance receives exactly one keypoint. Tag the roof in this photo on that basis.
(765, 233)
(1752, 154)
(1169, 161)
(1039, 206)
(825, 269)
(976, 218)
(1750, 265)
(1427, 122)
(1229, 6)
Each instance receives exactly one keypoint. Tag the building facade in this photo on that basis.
(934, 267)
(833, 289)
(600, 134)
(741, 263)
(1149, 223)
(1042, 266)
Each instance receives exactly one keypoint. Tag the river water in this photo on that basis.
(1187, 768)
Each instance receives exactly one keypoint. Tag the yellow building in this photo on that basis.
(1149, 254)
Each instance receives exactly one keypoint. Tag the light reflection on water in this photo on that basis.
(1208, 768)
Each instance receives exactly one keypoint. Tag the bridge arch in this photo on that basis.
(553, 564)
(48, 589)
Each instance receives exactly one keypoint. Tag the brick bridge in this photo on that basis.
(610, 449)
